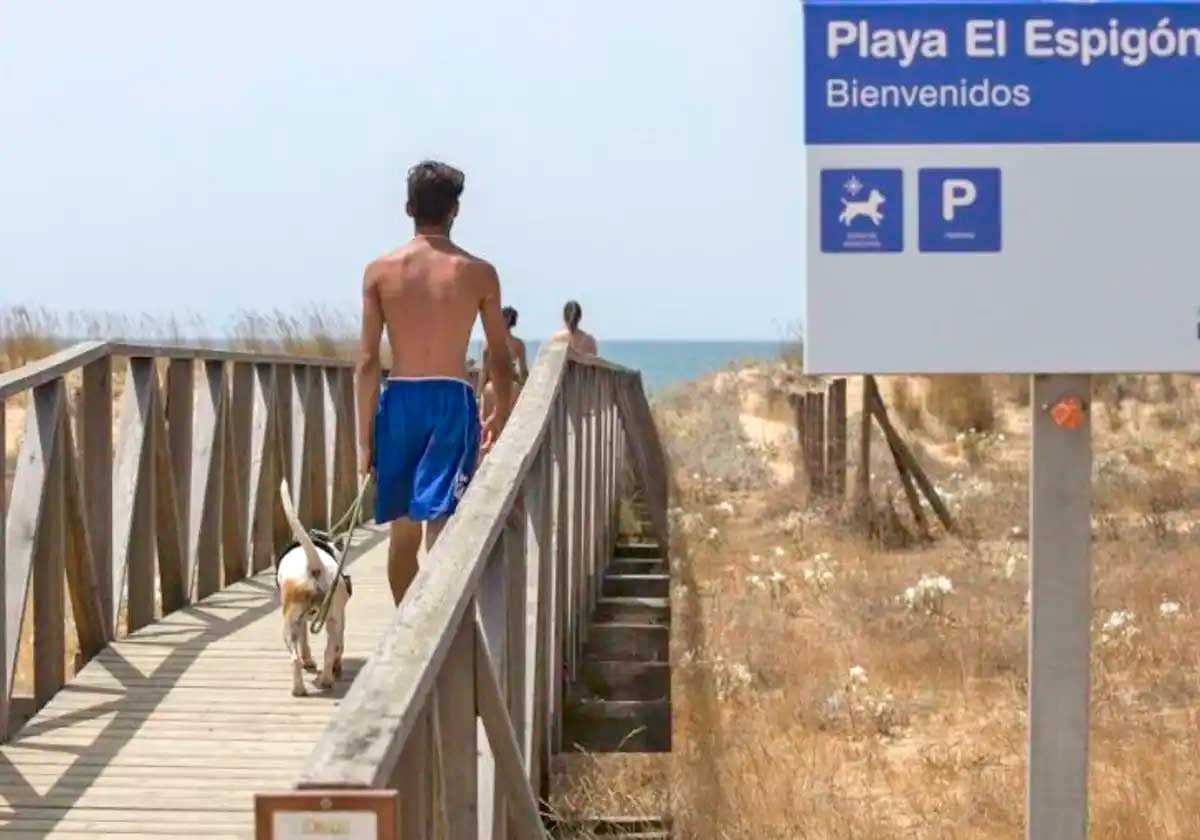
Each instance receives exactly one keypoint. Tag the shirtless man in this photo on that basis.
(580, 341)
(422, 434)
(516, 350)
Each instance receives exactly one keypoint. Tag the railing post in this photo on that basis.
(134, 506)
(559, 662)
(539, 501)
(205, 534)
(181, 402)
(235, 511)
(96, 441)
(284, 415)
(49, 569)
(575, 485)
(263, 455)
(493, 621)
(519, 571)
(456, 736)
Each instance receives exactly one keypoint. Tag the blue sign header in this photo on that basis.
(979, 72)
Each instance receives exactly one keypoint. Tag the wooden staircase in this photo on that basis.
(622, 699)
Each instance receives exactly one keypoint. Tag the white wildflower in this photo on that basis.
(1169, 609)
(713, 534)
(929, 594)
(724, 507)
(858, 676)
(756, 581)
(779, 552)
(1010, 567)
(755, 559)
(1119, 626)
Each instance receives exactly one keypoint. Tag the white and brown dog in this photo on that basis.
(304, 574)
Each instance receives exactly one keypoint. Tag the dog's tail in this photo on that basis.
(316, 569)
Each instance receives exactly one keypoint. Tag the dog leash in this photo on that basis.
(351, 519)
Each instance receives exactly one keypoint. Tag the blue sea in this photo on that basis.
(668, 363)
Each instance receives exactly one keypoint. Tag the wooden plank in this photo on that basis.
(181, 402)
(330, 381)
(50, 368)
(492, 616)
(863, 492)
(501, 736)
(412, 780)
(340, 383)
(898, 445)
(539, 500)
(233, 531)
(363, 742)
(49, 570)
(204, 523)
(170, 522)
(300, 476)
(457, 735)
(836, 439)
(209, 354)
(263, 458)
(315, 463)
(133, 497)
(87, 607)
(96, 444)
(575, 555)
(1060, 616)
(558, 665)
(241, 420)
(285, 412)
(517, 602)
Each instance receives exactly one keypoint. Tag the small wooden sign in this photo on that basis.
(326, 815)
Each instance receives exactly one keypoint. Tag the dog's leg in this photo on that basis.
(333, 628)
(292, 628)
(305, 650)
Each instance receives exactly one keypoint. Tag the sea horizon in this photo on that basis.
(665, 363)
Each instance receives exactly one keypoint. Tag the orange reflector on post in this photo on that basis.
(1068, 413)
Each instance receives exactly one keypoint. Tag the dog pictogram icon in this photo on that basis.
(868, 207)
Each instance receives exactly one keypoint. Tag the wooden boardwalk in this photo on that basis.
(171, 731)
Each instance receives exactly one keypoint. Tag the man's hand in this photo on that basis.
(365, 453)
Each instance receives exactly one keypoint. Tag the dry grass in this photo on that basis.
(778, 735)
(28, 333)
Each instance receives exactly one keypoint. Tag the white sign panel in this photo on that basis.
(1002, 187)
(326, 825)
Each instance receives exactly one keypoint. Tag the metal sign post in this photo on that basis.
(1060, 608)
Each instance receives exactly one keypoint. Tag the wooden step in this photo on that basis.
(641, 550)
(628, 642)
(626, 610)
(637, 567)
(615, 680)
(637, 586)
(618, 726)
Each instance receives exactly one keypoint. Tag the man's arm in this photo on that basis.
(495, 331)
(366, 382)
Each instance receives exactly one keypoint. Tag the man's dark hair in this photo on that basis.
(510, 316)
(433, 191)
(572, 313)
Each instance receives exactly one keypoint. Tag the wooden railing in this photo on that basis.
(186, 503)
(494, 625)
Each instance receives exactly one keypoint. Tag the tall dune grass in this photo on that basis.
(29, 333)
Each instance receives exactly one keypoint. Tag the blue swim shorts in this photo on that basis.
(426, 447)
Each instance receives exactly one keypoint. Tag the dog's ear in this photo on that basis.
(349, 586)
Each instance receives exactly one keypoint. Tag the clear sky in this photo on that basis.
(643, 157)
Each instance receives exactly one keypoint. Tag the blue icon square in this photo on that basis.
(959, 209)
(862, 211)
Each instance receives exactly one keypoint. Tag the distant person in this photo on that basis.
(422, 434)
(580, 341)
(516, 351)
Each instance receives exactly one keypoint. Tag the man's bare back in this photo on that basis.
(429, 293)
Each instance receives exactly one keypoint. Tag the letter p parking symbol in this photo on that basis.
(958, 210)
(957, 192)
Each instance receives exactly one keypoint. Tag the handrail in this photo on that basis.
(185, 502)
(541, 510)
(76, 356)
